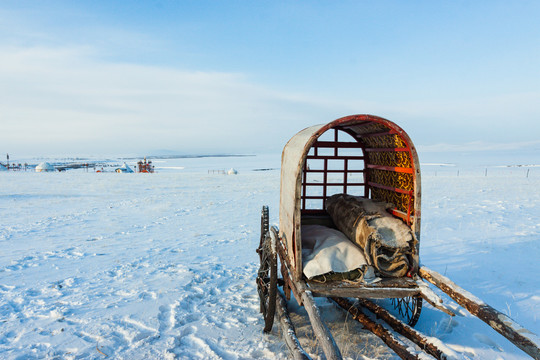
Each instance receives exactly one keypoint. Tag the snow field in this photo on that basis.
(162, 266)
(483, 233)
(145, 266)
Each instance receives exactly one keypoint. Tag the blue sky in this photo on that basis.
(116, 77)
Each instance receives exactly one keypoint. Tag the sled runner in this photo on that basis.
(349, 228)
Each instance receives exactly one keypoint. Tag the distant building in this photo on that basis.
(124, 169)
(232, 172)
(44, 167)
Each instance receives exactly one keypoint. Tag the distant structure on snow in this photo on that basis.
(124, 169)
(145, 166)
(45, 167)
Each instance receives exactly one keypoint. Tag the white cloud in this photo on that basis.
(64, 100)
(55, 99)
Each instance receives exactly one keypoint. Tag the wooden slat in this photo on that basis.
(345, 175)
(390, 188)
(331, 157)
(288, 331)
(391, 288)
(382, 133)
(403, 282)
(334, 184)
(504, 325)
(325, 180)
(359, 125)
(323, 334)
(400, 348)
(400, 214)
(304, 190)
(339, 145)
(386, 149)
(434, 348)
(391, 168)
(334, 171)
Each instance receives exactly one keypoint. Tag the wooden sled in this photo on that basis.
(371, 157)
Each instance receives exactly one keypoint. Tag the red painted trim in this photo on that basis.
(409, 210)
(399, 214)
(398, 190)
(392, 168)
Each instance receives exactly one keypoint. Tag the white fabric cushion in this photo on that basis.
(325, 249)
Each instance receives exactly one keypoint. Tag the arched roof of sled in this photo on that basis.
(297, 148)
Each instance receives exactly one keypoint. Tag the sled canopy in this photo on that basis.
(362, 155)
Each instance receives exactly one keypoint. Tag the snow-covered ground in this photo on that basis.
(162, 266)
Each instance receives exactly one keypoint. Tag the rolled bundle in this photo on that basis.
(387, 242)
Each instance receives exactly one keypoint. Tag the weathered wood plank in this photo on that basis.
(388, 288)
(289, 333)
(359, 292)
(290, 283)
(519, 336)
(403, 282)
(427, 294)
(393, 343)
(440, 352)
(325, 338)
